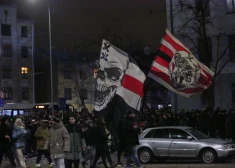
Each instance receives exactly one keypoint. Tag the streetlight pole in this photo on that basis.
(51, 70)
(33, 78)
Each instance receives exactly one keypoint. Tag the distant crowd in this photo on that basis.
(219, 123)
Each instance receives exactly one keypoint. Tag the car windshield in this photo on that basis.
(197, 134)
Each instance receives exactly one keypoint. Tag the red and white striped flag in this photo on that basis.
(177, 69)
(131, 89)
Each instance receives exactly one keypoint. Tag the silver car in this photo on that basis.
(181, 142)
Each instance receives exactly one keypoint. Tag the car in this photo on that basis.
(181, 142)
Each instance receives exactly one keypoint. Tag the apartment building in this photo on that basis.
(16, 65)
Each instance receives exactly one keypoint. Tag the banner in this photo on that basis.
(177, 69)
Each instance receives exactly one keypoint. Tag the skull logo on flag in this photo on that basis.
(184, 71)
(108, 80)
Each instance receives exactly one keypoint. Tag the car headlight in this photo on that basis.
(228, 146)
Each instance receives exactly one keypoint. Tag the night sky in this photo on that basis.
(80, 23)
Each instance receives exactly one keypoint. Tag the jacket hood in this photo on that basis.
(4, 119)
(58, 125)
(18, 127)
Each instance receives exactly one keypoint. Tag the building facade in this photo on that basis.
(217, 27)
(76, 81)
(16, 66)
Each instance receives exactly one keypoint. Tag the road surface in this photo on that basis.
(167, 164)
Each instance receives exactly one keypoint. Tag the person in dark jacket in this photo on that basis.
(77, 144)
(121, 141)
(130, 129)
(101, 145)
(90, 137)
(6, 141)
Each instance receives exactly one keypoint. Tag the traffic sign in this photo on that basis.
(62, 103)
(1, 102)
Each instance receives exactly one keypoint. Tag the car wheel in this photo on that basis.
(145, 155)
(208, 156)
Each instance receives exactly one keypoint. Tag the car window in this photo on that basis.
(149, 134)
(161, 133)
(178, 134)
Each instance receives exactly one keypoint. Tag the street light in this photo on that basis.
(51, 69)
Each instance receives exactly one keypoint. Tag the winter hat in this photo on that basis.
(53, 118)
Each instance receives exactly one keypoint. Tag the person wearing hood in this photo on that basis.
(130, 129)
(41, 135)
(58, 142)
(90, 138)
(6, 141)
(77, 144)
(19, 136)
(101, 145)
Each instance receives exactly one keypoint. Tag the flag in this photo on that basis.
(131, 89)
(175, 67)
(112, 65)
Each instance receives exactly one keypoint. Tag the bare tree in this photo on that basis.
(77, 74)
(205, 38)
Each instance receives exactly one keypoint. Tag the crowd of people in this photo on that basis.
(75, 138)
(80, 137)
(219, 123)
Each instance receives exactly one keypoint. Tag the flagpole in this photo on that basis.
(172, 32)
(146, 82)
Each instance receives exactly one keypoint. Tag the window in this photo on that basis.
(7, 93)
(24, 72)
(202, 7)
(67, 74)
(82, 74)
(24, 52)
(178, 134)
(231, 40)
(24, 31)
(25, 94)
(68, 93)
(6, 72)
(150, 134)
(83, 94)
(233, 93)
(230, 6)
(6, 51)
(205, 50)
(6, 30)
(161, 133)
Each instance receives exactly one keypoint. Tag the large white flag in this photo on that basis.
(131, 89)
(113, 64)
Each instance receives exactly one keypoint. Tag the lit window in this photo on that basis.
(24, 72)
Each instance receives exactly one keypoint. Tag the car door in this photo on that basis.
(181, 146)
(160, 142)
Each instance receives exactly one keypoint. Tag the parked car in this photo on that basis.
(181, 142)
